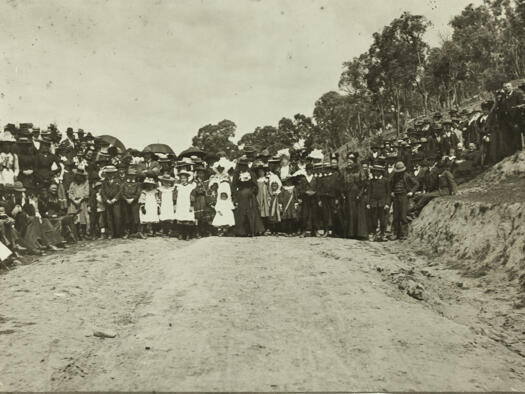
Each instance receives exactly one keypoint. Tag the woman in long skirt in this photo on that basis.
(244, 192)
(355, 191)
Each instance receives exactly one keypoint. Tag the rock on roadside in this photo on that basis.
(102, 333)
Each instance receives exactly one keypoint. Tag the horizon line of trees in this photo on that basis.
(398, 78)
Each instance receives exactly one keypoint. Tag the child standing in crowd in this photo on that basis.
(149, 206)
(98, 206)
(289, 205)
(78, 195)
(274, 218)
(167, 196)
(184, 210)
(224, 218)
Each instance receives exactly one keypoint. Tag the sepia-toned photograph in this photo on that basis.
(262, 195)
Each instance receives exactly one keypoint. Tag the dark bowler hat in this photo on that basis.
(24, 140)
(274, 160)
(264, 153)
(19, 187)
(45, 140)
(243, 161)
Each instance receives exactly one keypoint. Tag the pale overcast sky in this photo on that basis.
(156, 71)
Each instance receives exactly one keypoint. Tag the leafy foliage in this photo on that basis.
(400, 77)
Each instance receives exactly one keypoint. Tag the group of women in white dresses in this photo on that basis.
(173, 202)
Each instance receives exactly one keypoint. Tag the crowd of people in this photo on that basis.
(56, 190)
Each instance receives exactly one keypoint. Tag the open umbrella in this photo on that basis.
(159, 148)
(113, 141)
(192, 151)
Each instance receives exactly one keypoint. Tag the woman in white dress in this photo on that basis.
(184, 214)
(167, 202)
(9, 168)
(149, 206)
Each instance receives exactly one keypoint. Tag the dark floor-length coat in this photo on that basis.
(355, 204)
(244, 194)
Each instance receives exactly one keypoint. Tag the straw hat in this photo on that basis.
(109, 169)
(399, 167)
(166, 178)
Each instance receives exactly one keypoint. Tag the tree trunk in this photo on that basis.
(398, 104)
(359, 126)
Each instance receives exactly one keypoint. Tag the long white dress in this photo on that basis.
(9, 168)
(224, 213)
(183, 210)
(167, 209)
(4, 252)
(224, 208)
(151, 204)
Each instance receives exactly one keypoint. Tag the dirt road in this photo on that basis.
(226, 314)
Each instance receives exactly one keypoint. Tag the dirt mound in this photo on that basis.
(509, 168)
(481, 231)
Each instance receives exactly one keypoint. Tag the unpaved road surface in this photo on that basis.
(225, 314)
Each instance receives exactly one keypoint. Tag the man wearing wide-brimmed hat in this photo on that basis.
(403, 186)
